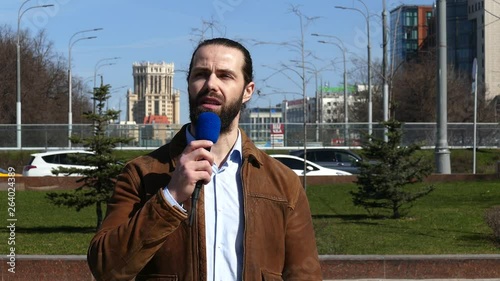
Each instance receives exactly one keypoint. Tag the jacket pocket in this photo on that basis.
(270, 276)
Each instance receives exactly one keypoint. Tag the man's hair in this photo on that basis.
(247, 64)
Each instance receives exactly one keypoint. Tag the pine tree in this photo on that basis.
(97, 183)
(388, 182)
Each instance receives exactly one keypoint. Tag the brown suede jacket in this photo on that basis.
(145, 237)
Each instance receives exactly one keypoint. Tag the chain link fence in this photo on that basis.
(55, 136)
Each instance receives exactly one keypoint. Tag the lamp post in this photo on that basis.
(70, 86)
(97, 67)
(114, 91)
(20, 13)
(304, 97)
(299, 47)
(341, 46)
(302, 86)
(313, 70)
(442, 152)
(384, 69)
(367, 18)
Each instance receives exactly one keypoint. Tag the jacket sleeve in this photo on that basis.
(301, 254)
(132, 231)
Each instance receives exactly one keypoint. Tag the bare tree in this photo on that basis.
(414, 93)
(358, 76)
(209, 29)
(44, 79)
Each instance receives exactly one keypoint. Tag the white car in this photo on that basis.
(297, 165)
(42, 164)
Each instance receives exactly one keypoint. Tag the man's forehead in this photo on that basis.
(218, 54)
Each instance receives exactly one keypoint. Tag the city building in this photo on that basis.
(471, 27)
(284, 123)
(154, 99)
(154, 104)
(263, 125)
(293, 110)
(484, 17)
(409, 26)
(331, 107)
(459, 36)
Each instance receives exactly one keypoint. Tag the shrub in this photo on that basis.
(388, 183)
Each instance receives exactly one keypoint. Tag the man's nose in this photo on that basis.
(211, 82)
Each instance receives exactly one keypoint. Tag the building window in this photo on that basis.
(428, 17)
(411, 18)
(157, 108)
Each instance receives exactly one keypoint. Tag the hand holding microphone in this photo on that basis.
(207, 128)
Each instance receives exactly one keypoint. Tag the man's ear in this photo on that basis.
(248, 91)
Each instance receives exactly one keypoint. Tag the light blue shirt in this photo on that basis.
(223, 217)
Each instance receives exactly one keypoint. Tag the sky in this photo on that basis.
(167, 31)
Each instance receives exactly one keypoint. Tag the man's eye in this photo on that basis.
(198, 74)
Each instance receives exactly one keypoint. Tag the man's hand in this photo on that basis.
(194, 164)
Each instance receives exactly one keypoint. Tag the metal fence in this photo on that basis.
(55, 136)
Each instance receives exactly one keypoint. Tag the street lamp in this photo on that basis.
(97, 67)
(367, 18)
(300, 48)
(20, 13)
(114, 90)
(70, 86)
(341, 46)
(313, 70)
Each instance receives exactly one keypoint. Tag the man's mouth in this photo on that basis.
(210, 102)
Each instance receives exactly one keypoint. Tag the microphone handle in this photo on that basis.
(194, 198)
(194, 201)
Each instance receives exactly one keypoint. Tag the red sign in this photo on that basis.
(277, 128)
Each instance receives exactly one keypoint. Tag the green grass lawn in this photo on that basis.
(42, 228)
(448, 221)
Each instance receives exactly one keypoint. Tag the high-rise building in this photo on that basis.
(459, 30)
(472, 30)
(409, 30)
(154, 99)
(484, 16)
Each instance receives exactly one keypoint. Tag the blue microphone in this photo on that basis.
(207, 128)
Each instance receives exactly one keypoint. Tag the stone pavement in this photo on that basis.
(334, 267)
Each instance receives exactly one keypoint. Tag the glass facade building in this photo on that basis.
(460, 36)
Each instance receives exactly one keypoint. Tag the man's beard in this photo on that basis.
(227, 113)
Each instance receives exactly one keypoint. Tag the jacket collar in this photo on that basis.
(250, 152)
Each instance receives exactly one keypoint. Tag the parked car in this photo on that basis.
(335, 158)
(297, 165)
(42, 164)
(4, 173)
